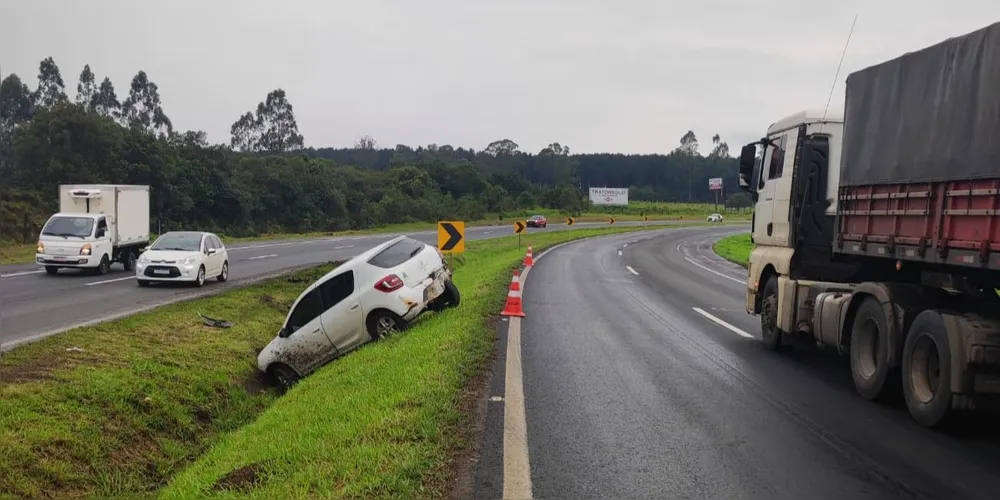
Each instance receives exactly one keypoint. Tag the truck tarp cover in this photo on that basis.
(932, 115)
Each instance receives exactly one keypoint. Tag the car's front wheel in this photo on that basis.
(200, 280)
(284, 376)
(224, 275)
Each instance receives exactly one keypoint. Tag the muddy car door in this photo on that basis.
(306, 345)
(342, 320)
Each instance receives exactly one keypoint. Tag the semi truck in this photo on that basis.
(876, 231)
(97, 224)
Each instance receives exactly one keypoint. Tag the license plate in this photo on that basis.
(160, 271)
(60, 259)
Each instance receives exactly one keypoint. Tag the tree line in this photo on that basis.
(265, 180)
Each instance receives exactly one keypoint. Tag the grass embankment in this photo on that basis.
(735, 249)
(121, 406)
(19, 253)
(119, 409)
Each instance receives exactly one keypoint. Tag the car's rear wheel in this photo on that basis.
(449, 298)
(383, 324)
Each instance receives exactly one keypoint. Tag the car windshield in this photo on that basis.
(182, 242)
(537, 217)
(78, 227)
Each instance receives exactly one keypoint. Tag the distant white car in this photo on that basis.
(715, 218)
(190, 256)
(369, 297)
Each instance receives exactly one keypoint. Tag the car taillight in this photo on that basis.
(389, 283)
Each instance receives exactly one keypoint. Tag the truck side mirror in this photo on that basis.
(748, 156)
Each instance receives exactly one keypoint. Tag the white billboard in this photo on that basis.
(715, 184)
(609, 196)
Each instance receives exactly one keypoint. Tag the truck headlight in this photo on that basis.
(40, 248)
(85, 249)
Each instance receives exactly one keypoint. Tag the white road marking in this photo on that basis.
(717, 273)
(22, 273)
(343, 246)
(625, 245)
(516, 467)
(722, 323)
(496, 398)
(262, 257)
(619, 253)
(633, 271)
(109, 281)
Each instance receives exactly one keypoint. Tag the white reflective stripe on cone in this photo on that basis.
(514, 293)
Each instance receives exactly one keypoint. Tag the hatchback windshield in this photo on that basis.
(79, 227)
(182, 242)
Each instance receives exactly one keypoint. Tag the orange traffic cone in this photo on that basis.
(513, 306)
(529, 259)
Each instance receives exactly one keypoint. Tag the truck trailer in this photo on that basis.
(877, 231)
(97, 224)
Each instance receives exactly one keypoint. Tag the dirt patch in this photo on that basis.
(242, 479)
(256, 382)
(269, 301)
(40, 369)
(472, 405)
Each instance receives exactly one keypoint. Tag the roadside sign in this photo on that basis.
(519, 226)
(645, 218)
(451, 236)
(715, 184)
(611, 220)
(569, 221)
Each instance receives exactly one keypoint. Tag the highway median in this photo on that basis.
(161, 403)
(735, 249)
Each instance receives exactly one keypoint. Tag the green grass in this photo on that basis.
(145, 395)
(383, 421)
(735, 249)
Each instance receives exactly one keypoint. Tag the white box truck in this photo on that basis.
(97, 224)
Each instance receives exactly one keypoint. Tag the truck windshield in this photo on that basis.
(190, 242)
(77, 227)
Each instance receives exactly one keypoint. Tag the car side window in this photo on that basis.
(204, 245)
(308, 309)
(337, 289)
(216, 242)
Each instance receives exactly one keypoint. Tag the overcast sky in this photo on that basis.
(597, 75)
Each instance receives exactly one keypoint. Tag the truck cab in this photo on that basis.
(791, 175)
(74, 240)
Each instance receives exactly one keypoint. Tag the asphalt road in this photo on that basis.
(643, 377)
(34, 304)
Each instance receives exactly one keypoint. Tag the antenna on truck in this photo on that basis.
(837, 75)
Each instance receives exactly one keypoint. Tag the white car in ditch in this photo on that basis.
(369, 297)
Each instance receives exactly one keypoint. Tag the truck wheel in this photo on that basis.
(129, 261)
(51, 269)
(927, 370)
(870, 351)
(769, 333)
(104, 266)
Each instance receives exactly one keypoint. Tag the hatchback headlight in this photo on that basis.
(143, 259)
(189, 260)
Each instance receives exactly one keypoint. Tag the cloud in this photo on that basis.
(629, 76)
